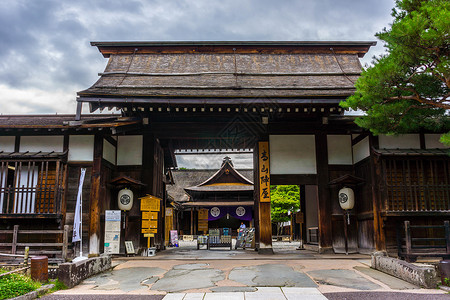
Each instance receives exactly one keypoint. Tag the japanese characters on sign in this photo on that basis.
(264, 172)
(112, 231)
(150, 207)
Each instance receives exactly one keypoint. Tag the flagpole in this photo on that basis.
(81, 223)
(78, 218)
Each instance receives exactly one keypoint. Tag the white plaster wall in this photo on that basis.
(81, 148)
(339, 149)
(109, 152)
(403, 141)
(292, 154)
(7, 143)
(361, 150)
(432, 141)
(41, 143)
(129, 150)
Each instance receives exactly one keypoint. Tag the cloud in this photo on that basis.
(45, 56)
(45, 44)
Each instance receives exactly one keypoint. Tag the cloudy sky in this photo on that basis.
(45, 56)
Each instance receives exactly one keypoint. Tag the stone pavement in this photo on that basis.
(243, 274)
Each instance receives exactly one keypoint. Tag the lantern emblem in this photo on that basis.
(343, 197)
(125, 199)
(346, 198)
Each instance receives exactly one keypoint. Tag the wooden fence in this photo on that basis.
(424, 240)
(57, 251)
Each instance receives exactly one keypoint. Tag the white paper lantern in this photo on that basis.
(346, 198)
(125, 199)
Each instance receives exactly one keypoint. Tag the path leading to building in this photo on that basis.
(245, 279)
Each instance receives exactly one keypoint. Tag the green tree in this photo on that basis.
(407, 88)
(284, 199)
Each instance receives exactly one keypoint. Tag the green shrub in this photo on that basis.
(14, 285)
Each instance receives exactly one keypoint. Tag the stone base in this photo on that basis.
(424, 276)
(265, 251)
(326, 250)
(73, 273)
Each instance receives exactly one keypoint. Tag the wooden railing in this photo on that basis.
(57, 251)
(31, 186)
(414, 243)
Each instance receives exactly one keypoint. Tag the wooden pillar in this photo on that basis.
(192, 221)
(95, 197)
(325, 231)
(378, 224)
(264, 220)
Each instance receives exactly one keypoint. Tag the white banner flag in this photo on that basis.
(78, 207)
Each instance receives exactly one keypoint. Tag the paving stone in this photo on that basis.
(263, 275)
(224, 296)
(150, 280)
(127, 279)
(177, 280)
(343, 278)
(174, 296)
(391, 281)
(194, 296)
(227, 289)
(190, 266)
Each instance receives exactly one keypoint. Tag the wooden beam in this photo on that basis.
(325, 225)
(293, 179)
(17, 144)
(378, 224)
(264, 219)
(95, 198)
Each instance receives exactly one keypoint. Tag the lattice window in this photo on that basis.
(416, 184)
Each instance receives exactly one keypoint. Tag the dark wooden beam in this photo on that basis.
(264, 218)
(293, 179)
(378, 222)
(325, 229)
(17, 144)
(96, 197)
(359, 138)
(111, 140)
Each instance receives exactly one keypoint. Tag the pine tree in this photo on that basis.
(407, 89)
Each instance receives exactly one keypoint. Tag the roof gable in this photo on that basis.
(227, 175)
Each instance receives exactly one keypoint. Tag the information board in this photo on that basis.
(150, 203)
(112, 231)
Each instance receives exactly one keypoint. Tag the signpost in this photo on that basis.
(203, 220)
(112, 231)
(264, 172)
(150, 207)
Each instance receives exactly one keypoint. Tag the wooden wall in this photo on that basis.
(364, 207)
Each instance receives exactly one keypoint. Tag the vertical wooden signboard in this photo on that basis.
(150, 207)
(203, 220)
(264, 172)
(169, 224)
(263, 190)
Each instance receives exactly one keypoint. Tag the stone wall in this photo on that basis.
(73, 273)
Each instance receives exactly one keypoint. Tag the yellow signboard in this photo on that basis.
(150, 203)
(150, 215)
(203, 214)
(264, 172)
(149, 235)
(149, 230)
(149, 223)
